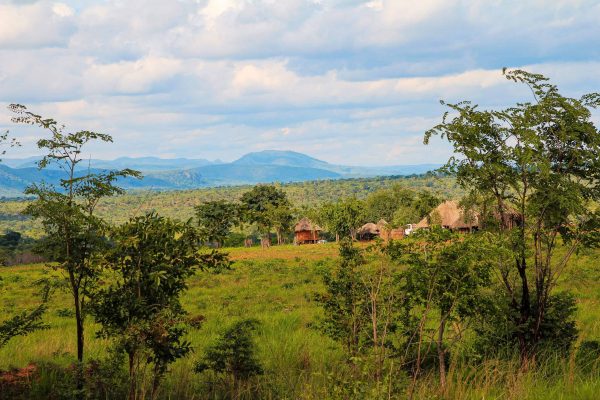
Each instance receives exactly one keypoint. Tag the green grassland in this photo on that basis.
(277, 287)
(180, 204)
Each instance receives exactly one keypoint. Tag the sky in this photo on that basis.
(349, 82)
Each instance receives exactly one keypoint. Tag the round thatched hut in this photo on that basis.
(368, 231)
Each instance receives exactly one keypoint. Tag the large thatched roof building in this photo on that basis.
(306, 232)
(451, 216)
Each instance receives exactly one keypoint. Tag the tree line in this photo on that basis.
(265, 209)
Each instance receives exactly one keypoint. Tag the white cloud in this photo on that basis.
(134, 77)
(62, 10)
(333, 78)
(40, 24)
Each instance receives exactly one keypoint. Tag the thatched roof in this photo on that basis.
(305, 224)
(369, 228)
(382, 223)
(449, 215)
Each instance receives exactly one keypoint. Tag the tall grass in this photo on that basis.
(277, 287)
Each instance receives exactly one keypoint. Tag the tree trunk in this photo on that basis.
(442, 354)
(132, 383)
(155, 383)
(80, 333)
(265, 241)
(525, 309)
(78, 316)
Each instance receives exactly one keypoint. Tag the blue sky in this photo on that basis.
(350, 82)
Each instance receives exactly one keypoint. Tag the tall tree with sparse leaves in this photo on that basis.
(74, 233)
(538, 162)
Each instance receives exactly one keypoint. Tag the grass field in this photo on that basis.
(277, 287)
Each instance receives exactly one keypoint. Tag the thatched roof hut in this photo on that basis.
(306, 232)
(369, 227)
(450, 215)
(509, 219)
(306, 224)
(368, 231)
(382, 224)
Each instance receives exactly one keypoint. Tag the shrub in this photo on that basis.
(498, 337)
(233, 353)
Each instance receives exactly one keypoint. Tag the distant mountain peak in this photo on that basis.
(286, 158)
(181, 173)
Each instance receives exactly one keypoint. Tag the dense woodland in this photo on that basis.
(181, 204)
(150, 295)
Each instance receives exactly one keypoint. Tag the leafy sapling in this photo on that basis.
(74, 233)
(234, 353)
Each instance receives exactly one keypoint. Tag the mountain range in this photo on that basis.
(182, 173)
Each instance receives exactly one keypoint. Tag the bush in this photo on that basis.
(233, 353)
(107, 379)
(65, 313)
(428, 357)
(234, 239)
(496, 332)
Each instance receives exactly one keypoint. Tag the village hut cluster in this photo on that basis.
(449, 215)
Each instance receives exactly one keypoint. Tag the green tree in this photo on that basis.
(445, 279)
(150, 261)
(424, 202)
(344, 217)
(405, 215)
(344, 302)
(216, 218)
(234, 353)
(539, 163)
(74, 233)
(399, 205)
(258, 206)
(282, 219)
(384, 203)
(360, 310)
(8, 245)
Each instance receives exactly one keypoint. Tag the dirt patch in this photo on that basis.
(17, 375)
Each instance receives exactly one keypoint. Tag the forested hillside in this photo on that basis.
(180, 204)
